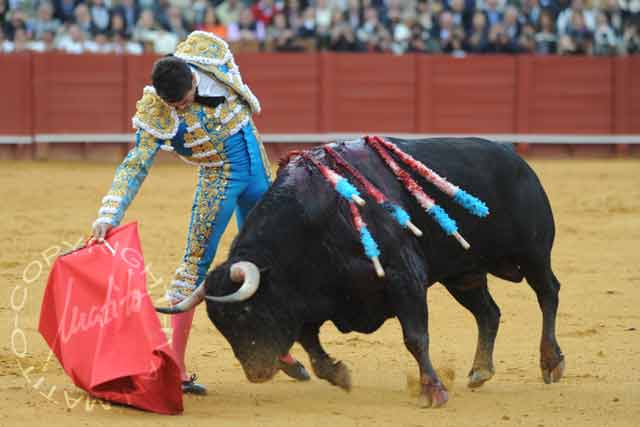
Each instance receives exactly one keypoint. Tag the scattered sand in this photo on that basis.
(597, 210)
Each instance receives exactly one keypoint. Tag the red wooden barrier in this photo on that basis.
(288, 87)
(15, 87)
(315, 93)
(79, 94)
(471, 95)
(16, 106)
(570, 95)
(368, 93)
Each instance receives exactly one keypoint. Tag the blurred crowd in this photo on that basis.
(457, 27)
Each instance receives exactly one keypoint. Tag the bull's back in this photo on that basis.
(520, 216)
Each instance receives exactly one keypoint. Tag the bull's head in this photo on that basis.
(258, 335)
(259, 312)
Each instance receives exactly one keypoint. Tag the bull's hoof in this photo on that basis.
(336, 373)
(477, 377)
(553, 375)
(433, 396)
(342, 377)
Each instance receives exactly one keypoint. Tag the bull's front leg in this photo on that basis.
(409, 300)
(324, 366)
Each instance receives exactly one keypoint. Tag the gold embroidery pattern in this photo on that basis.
(128, 178)
(155, 116)
(210, 194)
(212, 55)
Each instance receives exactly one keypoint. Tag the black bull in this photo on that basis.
(312, 266)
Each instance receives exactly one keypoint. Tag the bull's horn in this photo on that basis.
(239, 270)
(186, 304)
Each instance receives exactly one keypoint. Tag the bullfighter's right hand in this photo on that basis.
(100, 231)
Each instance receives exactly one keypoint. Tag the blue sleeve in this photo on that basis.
(128, 179)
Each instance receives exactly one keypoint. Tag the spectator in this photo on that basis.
(73, 41)
(493, 11)
(146, 29)
(229, 12)
(343, 37)
(64, 9)
(4, 15)
(44, 22)
(17, 21)
(99, 15)
(500, 42)
(527, 39)
(460, 15)
(20, 40)
(605, 42)
(577, 8)
(122, 44)
(198, 10)
(546, 39)
(630, 40)
(402, 34)
(263, 12)
(455, 45)
(370, 27)
(46, 43)
(478, 41)
(631, 10)
(160, 13)
(246, 29)
(176, 23)
(615, 16)
(531, 12)
(280, 37)
(100, 43)
(323, 19)
(308, 26)
(353, 14)
(445, 29)
(512, 22)
(579, 39)
(83, 20)
(425, 16)
(212, 24)
(6, 46)
(130, 12)
(292, 14)
(117, 23)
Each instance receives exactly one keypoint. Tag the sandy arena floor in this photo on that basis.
(597, 209)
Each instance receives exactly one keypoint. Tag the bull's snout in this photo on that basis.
(261, 375)
(260, 372)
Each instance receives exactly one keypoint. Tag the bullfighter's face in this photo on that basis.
(254, 327)
(188, 98)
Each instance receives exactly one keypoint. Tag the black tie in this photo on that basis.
(209, 101)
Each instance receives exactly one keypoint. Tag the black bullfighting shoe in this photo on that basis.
(294, 369)
(191, 386)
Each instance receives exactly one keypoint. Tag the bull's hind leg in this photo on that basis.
(409, 301)
(324, 366)
(472, 292)
(546, 286)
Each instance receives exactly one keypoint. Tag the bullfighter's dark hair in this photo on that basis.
(171, 78)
